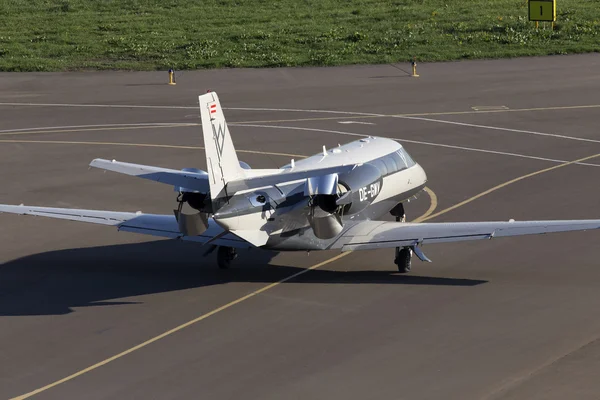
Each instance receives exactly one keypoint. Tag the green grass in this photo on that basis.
(53, 35)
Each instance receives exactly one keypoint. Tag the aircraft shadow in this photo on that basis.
(52, 283)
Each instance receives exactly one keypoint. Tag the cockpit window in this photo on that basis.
(400, 162)
(394, 162)
(382, 167)
(409, 162)
(391, 164)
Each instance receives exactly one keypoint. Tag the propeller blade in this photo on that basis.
(323, 184)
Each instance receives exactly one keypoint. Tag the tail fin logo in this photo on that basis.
(219, 139)
(219, 133)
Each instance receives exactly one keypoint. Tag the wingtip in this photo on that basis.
(97, 162)
(12, 209)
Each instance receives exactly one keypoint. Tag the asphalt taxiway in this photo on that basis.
(86, 312)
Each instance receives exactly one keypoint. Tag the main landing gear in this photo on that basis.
(225, 255)
(403, 259)
(404, 254)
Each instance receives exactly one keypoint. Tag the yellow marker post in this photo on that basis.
(414, 68)
(542, 10)
(172, 77)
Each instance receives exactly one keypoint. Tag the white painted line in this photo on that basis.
(451, 122)
(93, 105)
(416, 142)
(322, 111)
(441, 121)
(43, 128)
(182, 108)
(302, 110)
(356, 122)
(489, 108)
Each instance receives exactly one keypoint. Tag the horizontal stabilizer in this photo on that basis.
(197, 181)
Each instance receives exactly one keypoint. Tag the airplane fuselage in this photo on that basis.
(384, 176)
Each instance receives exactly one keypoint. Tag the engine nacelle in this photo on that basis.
(363, 185)
(326, 226)
(324, 217)
(198, 201)
(333, 196)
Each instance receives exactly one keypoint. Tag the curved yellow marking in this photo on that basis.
(167, 146)
(432, 206)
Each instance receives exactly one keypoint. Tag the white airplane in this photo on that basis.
(331, 200)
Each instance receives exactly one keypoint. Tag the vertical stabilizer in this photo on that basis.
(222, 162)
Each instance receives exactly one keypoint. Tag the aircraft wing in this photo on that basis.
(147, 224)
(197, 181)
(368, 235)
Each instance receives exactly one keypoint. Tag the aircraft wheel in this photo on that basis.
(403, 259)
(225, 255)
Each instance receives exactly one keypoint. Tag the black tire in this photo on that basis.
(225, 255)
(403, 260)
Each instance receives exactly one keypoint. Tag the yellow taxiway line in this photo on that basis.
(427, 216)
(432, 207)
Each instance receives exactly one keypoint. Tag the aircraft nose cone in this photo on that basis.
(422, 176)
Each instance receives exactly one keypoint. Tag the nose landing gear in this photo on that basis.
(225, 255)
(403, 254)
(398, 212)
